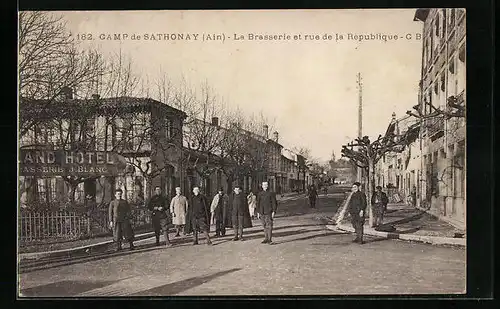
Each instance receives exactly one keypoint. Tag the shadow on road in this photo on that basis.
(66, 287)
(183, 285)
(308, 237)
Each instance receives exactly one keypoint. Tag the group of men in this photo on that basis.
(196, 214)
(357, 207)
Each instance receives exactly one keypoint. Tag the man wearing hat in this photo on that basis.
(267, 206)
(357, 207)
(119, 220)
(240, 213)
(200, 216)
(219, 211)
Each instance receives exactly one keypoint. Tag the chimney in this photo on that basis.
(266, 131)
(215, 121)
(275, 135)
(67, 93)
(393, 117)
(95, 96)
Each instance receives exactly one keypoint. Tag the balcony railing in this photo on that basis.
(435, 126)
(461, 98)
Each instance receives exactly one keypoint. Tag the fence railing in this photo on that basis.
(71, 225)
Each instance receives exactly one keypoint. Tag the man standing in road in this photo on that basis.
(160, 214)
(178, 209)
(266, 206)
(379, 203)
(241, 214)
(119, 220)
(219, 211)
(313, 194)
(200, 216)
(357, 207)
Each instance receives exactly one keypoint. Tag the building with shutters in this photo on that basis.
(434, 166)
(145, 132)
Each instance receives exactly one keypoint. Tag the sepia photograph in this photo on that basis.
(241, 153)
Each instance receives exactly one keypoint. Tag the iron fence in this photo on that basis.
(71, 225)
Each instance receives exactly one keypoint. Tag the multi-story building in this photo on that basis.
(443, 80)
(401, 170)
(145, 133)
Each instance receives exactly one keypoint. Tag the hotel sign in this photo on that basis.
(69, 163)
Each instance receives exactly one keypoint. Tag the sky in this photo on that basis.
(307, 86)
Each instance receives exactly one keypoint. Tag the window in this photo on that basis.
(436, 24)
(168, 128)
(461, 54)
(451, 66)
(443, 24)
(42, 190)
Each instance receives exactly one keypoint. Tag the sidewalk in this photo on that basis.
(411, 224)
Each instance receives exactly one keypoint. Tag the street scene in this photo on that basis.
(241, 153)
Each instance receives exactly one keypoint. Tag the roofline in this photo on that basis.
(421, 14)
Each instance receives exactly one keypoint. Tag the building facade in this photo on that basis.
(145, 133)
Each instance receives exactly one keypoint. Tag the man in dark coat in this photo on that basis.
(357, 207)
(200, 215)
(160, 215)
(379, 203)
(219, 211)
(313, 194)
(119, 220)
(267, 206)
(240, 213)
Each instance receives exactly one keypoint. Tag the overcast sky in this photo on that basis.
(309, 87)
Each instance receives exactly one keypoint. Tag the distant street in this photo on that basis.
(305, 259)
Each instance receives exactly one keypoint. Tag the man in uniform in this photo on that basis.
(119, 220)
(200, 215)
(357, 207)
(379, 204)
(266, 206)
(158, 206)
(219, 211)
(313, 194)
(241, 214)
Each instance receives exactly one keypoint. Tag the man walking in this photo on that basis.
(266, 206)
(178, 209)
(119, 220)
(379, 203)
(357, 207)
(313, 194)
(240, 215)
(160, 215)
(219, 212)
(199, 216)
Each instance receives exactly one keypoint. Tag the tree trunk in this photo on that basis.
(230, 179)
(370, 189)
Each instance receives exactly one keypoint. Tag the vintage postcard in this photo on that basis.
(242, 153)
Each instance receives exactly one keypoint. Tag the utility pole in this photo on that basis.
(360, 116)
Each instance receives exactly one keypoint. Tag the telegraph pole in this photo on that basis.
(360, 116)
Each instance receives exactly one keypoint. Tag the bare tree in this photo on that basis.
(49, 61)
(365, 153)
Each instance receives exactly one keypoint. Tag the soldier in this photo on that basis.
(160, 215)
(241, 214)
(266, 206)
(219, 211)
(357, 207)
(379, 203)
(119, 221)
(313, 194)
(200, 219)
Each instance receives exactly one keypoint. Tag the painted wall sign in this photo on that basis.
(69, 163)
